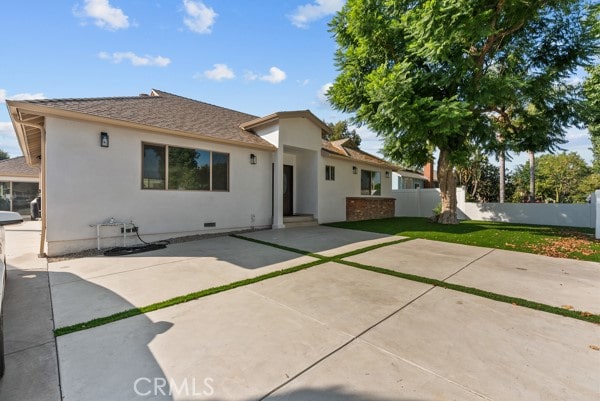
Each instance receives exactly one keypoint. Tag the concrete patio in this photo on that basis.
(330, 332)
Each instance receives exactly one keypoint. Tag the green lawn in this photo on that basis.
(566, 242)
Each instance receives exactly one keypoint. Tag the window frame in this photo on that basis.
(371, 189)
(329, 173)
(166, 166)
(210, 164)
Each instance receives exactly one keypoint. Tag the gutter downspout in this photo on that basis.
(42, 129)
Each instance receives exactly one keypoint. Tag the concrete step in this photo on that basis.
(300, 220)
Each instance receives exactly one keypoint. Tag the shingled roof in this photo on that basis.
(347, 149)
(18, 167)
(167, 111)
(175, 114)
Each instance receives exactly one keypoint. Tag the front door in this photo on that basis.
(288, 190)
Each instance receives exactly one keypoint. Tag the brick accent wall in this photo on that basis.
(369, 208)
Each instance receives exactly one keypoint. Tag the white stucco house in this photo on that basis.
(177, 167)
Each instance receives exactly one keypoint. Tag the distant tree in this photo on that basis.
(586, 187)
(480, 177)
(4, 155)
(340, 130)
(561, 178)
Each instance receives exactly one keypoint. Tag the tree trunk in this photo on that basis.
(531, 177)
(502, 159)
(447, 183)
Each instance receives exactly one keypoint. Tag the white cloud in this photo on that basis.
(19, 96)
(307, 13)
(274, 76)
(219, 73)
(322, 93)
(303, 83)
(137, 61)
(104, 15)
(250, 76)
(200, 18)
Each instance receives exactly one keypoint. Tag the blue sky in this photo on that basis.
(256, 56)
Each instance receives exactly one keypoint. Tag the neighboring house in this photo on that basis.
(175, 167)
(19, 185)
(407, 179)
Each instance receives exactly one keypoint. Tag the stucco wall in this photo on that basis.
(333, 194)
(87, 184)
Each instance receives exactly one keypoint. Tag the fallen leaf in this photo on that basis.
(586, 313)
(595, 347)
(567, 307)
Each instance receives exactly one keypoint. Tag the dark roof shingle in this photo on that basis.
(17, 166)
(167, 111)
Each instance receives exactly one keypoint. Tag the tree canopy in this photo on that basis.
(340, 130)
(4, 155)
(561, 178)
(440, 74)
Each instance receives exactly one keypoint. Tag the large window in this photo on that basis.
(370, 182)
(188, 169)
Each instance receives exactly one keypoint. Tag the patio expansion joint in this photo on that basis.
(346, 344)
(469, 264)
(428, 371)
(52, 341)
(273, 301)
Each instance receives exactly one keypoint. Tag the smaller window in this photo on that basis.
(330, 173)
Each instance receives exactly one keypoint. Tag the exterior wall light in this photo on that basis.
(387, 174)
(104, 139)
(354, 170)
(253, 158)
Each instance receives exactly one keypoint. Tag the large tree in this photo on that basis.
(428, 74)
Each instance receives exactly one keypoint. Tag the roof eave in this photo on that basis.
(381, 164)
(13, 112)
(250, 125)
(73, 115)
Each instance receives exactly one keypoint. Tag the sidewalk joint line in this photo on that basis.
(469, 264)
(344, 345)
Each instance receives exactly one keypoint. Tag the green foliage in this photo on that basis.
(340, 130)
(562, 178)
(591, 90)
(480, 177)
(4, 155)
(446, 74)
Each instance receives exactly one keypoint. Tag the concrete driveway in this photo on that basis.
(330, 332)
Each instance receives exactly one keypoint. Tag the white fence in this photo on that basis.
(421, 202)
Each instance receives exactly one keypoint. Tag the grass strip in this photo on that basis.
(61, 331)
(369, 248)
(580, 315)
(283, 247)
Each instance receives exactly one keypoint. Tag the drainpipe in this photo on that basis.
(41, 254)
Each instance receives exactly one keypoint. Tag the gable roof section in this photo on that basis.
(257, 122)
(160, 110)
(18, 167)
(345, 148)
